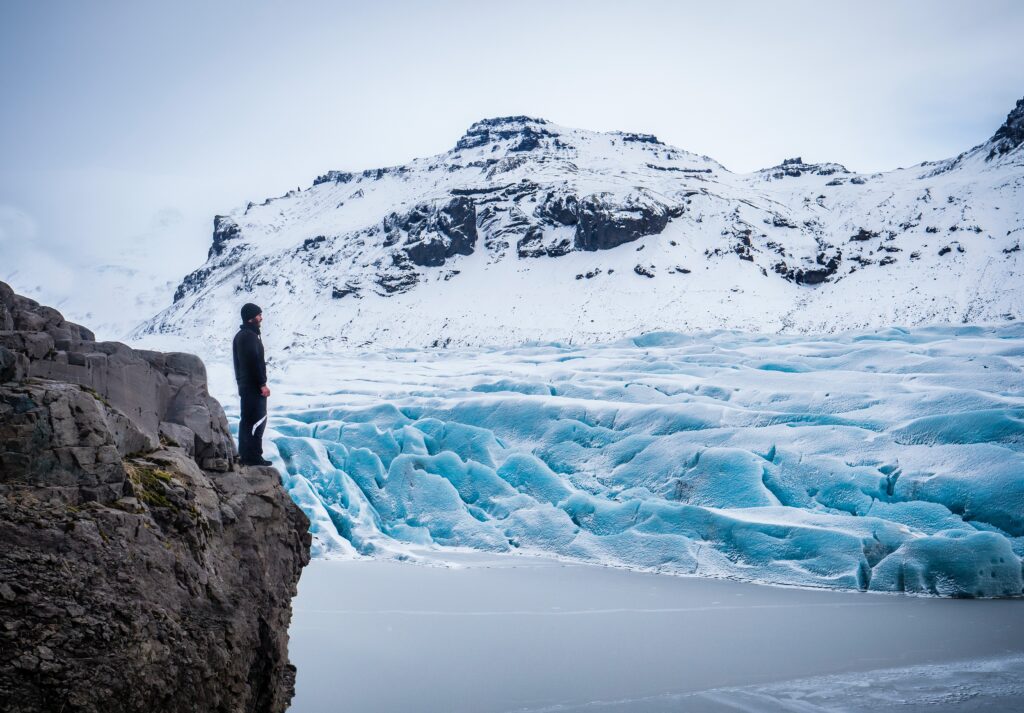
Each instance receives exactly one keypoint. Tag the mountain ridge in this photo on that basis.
(519, 194)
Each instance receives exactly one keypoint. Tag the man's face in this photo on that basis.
(257, 319)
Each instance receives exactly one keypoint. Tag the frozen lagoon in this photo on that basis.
(519, 634)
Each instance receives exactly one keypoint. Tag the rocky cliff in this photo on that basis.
(141, 568)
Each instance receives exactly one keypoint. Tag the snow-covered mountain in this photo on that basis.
(527, 231)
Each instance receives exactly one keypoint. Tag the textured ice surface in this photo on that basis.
(889, 461)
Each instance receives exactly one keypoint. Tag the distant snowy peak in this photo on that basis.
(510, 141)
(520, 134)
(502, 144)
(527, 230)
(795, 167)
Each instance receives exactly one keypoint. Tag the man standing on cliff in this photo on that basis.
(251, 375)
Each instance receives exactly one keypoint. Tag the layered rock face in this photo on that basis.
(1011, 134)
(141, 568)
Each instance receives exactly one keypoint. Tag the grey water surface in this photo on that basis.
(503, 634)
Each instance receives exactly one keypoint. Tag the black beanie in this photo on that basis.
(249, 310)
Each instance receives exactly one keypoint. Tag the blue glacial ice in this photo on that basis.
(890, 461)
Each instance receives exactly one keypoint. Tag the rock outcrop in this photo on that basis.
(1011, 134)
(141, 568)
(518, 133)
(603, 223)
(434, 233)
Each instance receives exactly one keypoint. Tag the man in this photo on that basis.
(251, 375)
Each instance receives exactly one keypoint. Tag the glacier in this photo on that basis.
(890, 460)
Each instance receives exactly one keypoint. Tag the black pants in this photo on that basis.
(251, 425)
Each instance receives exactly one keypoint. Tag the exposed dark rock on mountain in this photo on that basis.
(521, 130)
(863, 235)
(795, 167)
(435, 233)
(142, 570)
(224, 229)
(533, 244)
(1011, 134)
(826, 264)
(560, 209)
(334, 177)
(602, 224)
(392, 283)
(641, 138)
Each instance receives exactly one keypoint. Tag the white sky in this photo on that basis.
(117, 118)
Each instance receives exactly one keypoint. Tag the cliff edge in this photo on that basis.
(142, 569)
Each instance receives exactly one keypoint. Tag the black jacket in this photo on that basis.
(247, 349)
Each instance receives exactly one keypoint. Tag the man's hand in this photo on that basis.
(264, 390)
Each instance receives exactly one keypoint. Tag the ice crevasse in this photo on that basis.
(889, 461)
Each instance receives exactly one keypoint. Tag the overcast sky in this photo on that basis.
(121, 120)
